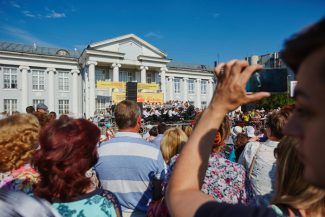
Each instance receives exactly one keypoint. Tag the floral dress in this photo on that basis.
(21, 179)
(224, 180)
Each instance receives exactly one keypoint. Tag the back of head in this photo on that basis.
(18, 140)
(153, 131)
(30, 109)
(162, 127)
(172, 143)
(43, 118)
(276, 122)
(68, 150)
(291, 187)
(126, 114)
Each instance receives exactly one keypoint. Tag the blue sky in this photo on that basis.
(193, 31)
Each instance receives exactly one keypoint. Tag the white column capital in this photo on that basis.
(170, 78)
(164, 69)
(91, 63)
(24, 67)
(75, 71)
(116, 65)
(50, 69)
(144, 67)
(198, 79)
(185, 79)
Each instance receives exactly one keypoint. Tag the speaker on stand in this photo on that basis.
(132, 91)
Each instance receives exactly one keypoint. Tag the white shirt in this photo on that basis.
(263, 172)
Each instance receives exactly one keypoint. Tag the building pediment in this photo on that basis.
(130, 45)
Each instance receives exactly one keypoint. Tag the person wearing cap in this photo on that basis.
(41, 107)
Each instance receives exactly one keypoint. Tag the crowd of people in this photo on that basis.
(224, 163)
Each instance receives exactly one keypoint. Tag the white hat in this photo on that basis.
(236, 130)
(250, 131)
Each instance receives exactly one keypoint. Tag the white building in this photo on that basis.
(65, 80)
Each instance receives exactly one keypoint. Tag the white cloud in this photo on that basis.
(55, 15)
(154, 35)
(28, 14)
(51, 15)
(215, 15)
(24, 36)
(14, 4)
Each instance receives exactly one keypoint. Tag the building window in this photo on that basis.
(126, 76)
(151, 77)
(10, 78)
(37, 101)
(204, 87)
(10, 106)
(63, 81)
(101, 103)
(63, 106)
(204, 104)
(38, 79)
(191, 86)
(101, 75)
(177, 85)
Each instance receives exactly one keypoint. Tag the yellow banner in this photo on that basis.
(110, 84)
(142, 97)
(146, 86)
(122, 85)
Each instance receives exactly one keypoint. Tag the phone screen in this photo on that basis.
(270, 80)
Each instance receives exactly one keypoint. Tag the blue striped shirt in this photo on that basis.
(125, 167)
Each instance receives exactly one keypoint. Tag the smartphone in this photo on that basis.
(269, 80)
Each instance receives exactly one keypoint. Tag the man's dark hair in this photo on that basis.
(126, 114)
(162, 127)
(30, 109)
(301, 45)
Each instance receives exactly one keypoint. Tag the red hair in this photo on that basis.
(67, 150)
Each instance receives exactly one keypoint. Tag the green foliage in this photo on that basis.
(274, 101)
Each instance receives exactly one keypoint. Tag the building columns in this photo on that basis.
(198, 93)
(143, 74)
(116, 67)
(24, 87)
(171, 89)
(185, 89)
(51, 83)
(75, 108)
(92, 87)
(162, 73)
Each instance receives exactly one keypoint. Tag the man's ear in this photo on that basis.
(139, 120)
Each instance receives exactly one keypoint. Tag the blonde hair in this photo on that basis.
(18, 136)
(172, 143)
(188, 130)
(291, 187)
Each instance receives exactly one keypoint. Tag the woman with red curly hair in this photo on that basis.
(64, 161)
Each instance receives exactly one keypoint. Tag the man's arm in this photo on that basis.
(183, 195)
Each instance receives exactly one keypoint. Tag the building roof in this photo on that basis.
(61, 52)
(189, 66)
(30, 49)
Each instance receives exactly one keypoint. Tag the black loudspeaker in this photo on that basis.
(131, 91)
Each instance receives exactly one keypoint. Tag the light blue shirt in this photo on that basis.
(127, 163)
